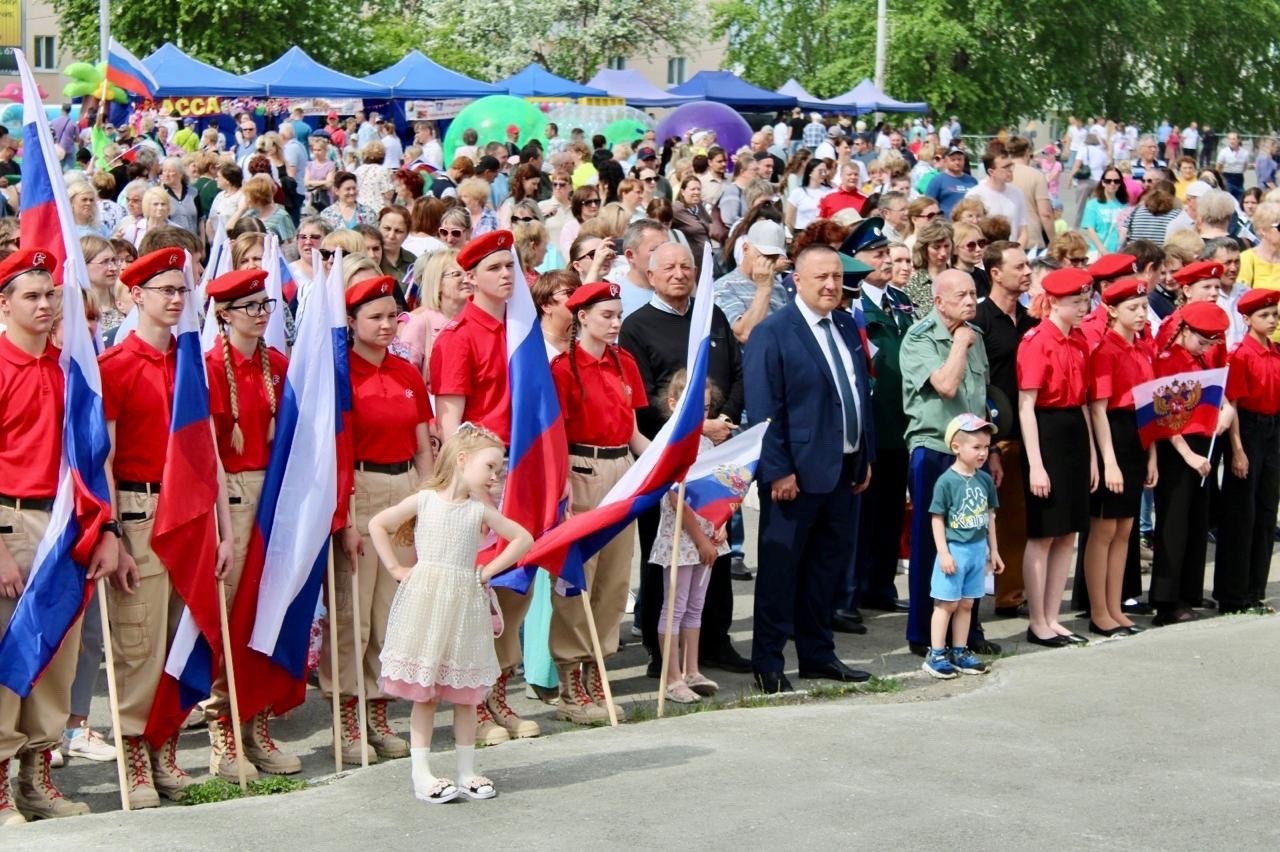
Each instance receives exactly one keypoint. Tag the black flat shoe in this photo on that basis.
(1136, 608)
(1114, 631)
(918, 650)
(835, 670)
(1178, 616)
(654, 668)
(1056, 642)
(1134, 630)
(850, 614)
(1076, 639)
(773, 683)
(738, 570)
(985, 647)
(727, 660)
(840, 624)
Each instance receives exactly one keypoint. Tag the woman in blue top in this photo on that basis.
(1105, 211)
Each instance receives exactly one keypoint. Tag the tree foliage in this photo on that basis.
(997, 61)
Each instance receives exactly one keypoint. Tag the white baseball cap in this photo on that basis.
(767, 237)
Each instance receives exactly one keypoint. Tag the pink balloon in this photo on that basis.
(731, 129)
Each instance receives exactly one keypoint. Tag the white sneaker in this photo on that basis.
(90, 745)
(631, 602)
(56, 758)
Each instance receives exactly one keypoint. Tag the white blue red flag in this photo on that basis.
(278, 275)
(184, 536)
(56, 591)
(565, 549)
(1168, 405)
(127, 71)
(719, 479)
(538, 458)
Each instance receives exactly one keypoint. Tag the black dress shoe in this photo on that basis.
(1136, 608)
(850, 615)
(887, 606)
(738, 570)
(1055, 642)
(918, 650)
(1134, 630)
(1114, 631)
(1206, 603)
(840, 624)
(1166, 617)
(654, 669)
(772, 683)
(727, 660)
(835, 670)
(985, 647)
(1076, 639)
(1019, 611)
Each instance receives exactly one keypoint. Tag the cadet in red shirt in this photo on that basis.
(1199, 282)
(246, 378)
(390, 413)
(1062, 469)
(1181, 498)
(137, 396)
(600, 389)
(1120, 362)
(1105, 270)
(31, 415)
(1251, 486)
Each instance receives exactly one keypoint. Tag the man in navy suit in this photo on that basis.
(806, 372)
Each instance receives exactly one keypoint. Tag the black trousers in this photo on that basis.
(1182, 528)
(884, 504)
(1248, 518)
(805, 547)
(717, 610)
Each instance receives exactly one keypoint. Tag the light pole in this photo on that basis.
(882, 26)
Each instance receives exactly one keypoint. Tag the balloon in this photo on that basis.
(598, 119)
(732, 131)
(626, 130)
(87, 79)
(489, 117)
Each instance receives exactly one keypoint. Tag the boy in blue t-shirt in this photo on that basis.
(964, 530)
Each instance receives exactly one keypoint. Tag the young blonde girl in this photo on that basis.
(700, 545)
(439, 641)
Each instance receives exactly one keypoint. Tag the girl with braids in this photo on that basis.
(245, 381)
(600, 389)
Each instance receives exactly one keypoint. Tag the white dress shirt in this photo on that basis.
(812, 318)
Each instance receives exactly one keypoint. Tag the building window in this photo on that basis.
(617, 63)
(45, 53)
(675, 71)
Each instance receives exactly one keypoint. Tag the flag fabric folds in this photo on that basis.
(127, 71)
(1167, 405)
(56, 590)
(719, 479)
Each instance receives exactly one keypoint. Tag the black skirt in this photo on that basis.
(1132, 460)
(1064, 450)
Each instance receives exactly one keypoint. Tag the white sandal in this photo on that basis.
(680, 693)
(479, 787)
(440, 792)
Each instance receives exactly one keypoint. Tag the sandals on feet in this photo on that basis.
(440, 792)
(479, 787)
(680, 693)
(702, 684)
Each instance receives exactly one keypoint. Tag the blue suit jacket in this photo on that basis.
(788, 381)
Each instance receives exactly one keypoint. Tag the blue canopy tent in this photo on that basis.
(534, 81)
(179, 75)
(867, 98)
(632, 87)
(804, 100)
(416, 76)
(730, 90)
(297, 75)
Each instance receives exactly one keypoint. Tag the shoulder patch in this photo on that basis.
(924, 326)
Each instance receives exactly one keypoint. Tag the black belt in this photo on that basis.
(597, 452)
(35, 504)
(389, 469)
(139, 487)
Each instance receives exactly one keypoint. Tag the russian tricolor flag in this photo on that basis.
(127, 71)
(719, 479)
(565, 549)
(1168, 405)
(56, 591)
(288, 553)
(538, 458)
(184, 534)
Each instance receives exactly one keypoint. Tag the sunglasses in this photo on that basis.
(524, 220)
(591, 202)
(929, 217)
(649, 180)
(327, 254)
(1083, 260)
(452, 233)
(1112, 181)
(302, 237)
(586, 255)
(558, 184)
(974, 245)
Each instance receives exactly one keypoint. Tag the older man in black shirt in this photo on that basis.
(658, 336)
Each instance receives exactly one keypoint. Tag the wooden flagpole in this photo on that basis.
(598, 651)
(669, 598)
(231, 685)
(113, 698)
(361, 710)
(333, 663)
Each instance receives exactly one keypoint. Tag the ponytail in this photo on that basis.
(237, 435)
(268, 382)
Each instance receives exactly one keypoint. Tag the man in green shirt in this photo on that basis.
(944, 374)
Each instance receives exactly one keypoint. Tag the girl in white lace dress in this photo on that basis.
(439, 644)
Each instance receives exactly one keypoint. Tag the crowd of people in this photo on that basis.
(937, 355)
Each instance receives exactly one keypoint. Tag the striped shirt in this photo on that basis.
(1145, 225)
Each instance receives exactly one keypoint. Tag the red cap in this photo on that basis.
(601, 291)
(1067, 282)
(1124, 290)
(1257, 299)
(26, 260)
(1204, 318)
(482, 246)
(1201, 270)
(149, 266)
(1111, 266)
(512, 128)
(237, 285)
(367, 291)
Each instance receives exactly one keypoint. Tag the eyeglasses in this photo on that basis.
(302, 237)
(453, 273)
(255, 309)
(1083, 260)
(974, 245)
(109, 262)
(524, 220)
(1112, 181)
(558, 184)
(169, 292)
(452, 233)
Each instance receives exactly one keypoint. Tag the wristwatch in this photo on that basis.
(112, 526)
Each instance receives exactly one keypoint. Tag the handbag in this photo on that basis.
(1084, 173)
(495, 611)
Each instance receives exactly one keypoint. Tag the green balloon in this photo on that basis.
(489, 117)
(82, 71)
(78, 90)
(625, 130)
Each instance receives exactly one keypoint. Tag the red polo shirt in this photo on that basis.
(251, 401)
(600, 401)
(469, 359)
(1115, 367)
(1253, 382)
(1054, 364)
(388, 401)
(32, 401)
(137, 393)
(833, 202)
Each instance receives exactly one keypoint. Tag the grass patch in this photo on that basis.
(644, 711)
(222, 790)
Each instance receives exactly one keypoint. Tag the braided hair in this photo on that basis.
(237, 434)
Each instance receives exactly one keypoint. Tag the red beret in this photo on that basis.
(237, 285)
(1257, 299)
(26, 260)
(1204, 318)
(482, 246)
(1198, 271)
(1124, 290)
(370, 289)
(149, 266)
(1068, 282)
(602, 291)
(1111, 266)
